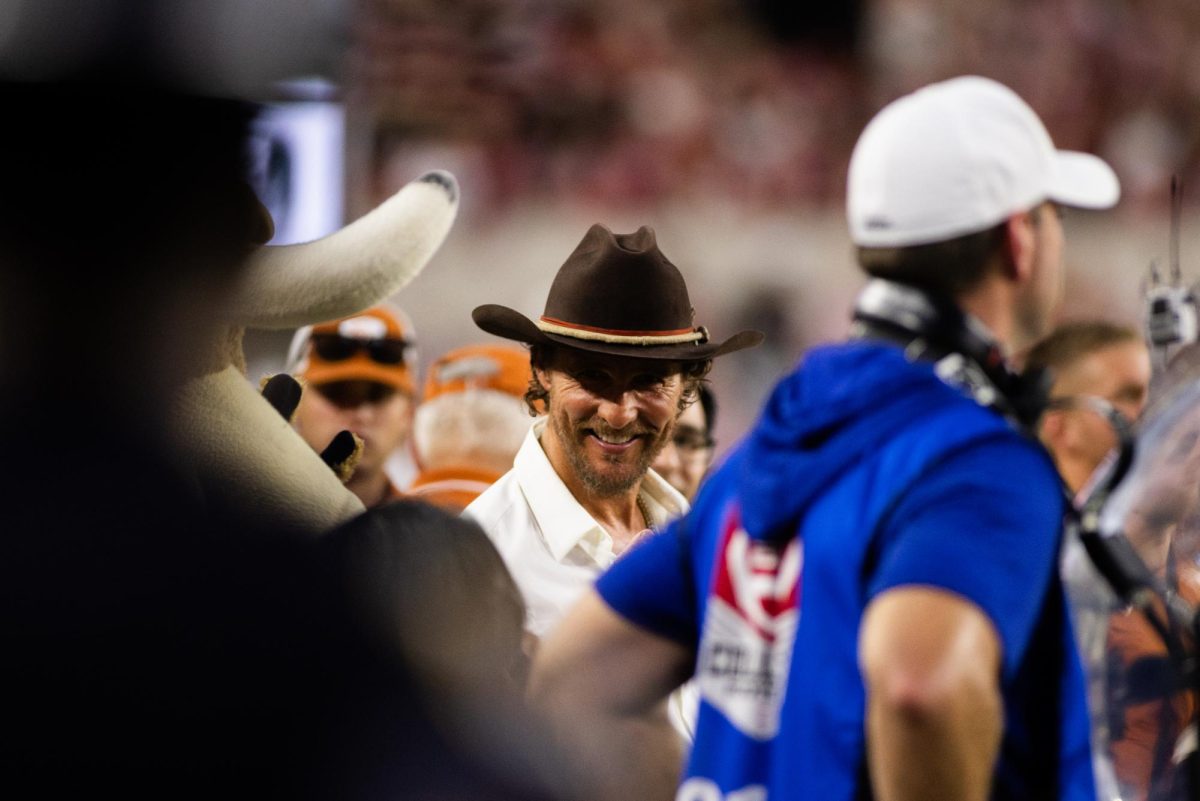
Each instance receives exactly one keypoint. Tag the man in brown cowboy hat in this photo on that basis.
(616, 355)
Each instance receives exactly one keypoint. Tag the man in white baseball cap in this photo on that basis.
(866, 592)
(958, 157)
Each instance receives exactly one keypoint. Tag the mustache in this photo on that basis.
(603, 429)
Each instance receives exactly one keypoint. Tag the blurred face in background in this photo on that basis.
(685, 459)
(380, 415)
(1118, 374)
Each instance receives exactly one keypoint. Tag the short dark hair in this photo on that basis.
(1070, 342)
(947, 268)
(537, 397)
(432, 585)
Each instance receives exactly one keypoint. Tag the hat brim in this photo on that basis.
(511, 324)
(1084, 181)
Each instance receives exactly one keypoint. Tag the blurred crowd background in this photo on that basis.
(727, 125)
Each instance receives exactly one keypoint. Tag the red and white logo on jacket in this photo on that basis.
(749, 629)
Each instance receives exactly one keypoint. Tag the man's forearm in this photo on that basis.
(620, 757)
(602, 684)
(945, 748)
(930, 663)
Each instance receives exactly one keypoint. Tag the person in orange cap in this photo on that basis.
(359, 372)
(470, 423)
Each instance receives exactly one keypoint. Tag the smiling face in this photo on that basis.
(609, 416)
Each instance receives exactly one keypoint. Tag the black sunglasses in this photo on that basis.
(337, 348)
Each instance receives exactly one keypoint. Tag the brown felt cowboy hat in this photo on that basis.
(617, 294)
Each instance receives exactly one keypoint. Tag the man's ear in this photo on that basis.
(1019, 243)
(542, 377)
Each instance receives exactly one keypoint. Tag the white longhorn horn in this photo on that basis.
(373, 257)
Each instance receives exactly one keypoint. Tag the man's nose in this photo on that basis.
(361, 412)
(618, 410)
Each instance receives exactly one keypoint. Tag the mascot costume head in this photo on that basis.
(246, 452)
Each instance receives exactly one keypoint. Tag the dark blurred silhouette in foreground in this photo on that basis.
(156, 645)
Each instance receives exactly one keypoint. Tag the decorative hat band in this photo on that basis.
(617, 337)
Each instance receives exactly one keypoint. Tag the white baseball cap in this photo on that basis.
(957, 157)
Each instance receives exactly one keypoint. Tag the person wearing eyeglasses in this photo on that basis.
(359, 373)
(1090, 360)
(684, 461)
(1100, 368)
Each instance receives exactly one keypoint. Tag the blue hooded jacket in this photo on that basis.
(870, 472)
(823, 420)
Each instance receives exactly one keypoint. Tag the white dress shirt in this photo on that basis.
(555, 549)
(551, 545)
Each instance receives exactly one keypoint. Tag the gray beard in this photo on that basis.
(601, 484)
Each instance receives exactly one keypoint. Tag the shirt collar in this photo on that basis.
(562, 519)
(663, 502)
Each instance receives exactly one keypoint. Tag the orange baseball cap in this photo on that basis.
(498, 367)
(374, 345)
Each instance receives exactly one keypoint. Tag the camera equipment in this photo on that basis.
(1171, 313)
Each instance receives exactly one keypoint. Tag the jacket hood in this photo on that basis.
(841, 403)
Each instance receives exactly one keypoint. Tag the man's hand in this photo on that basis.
(931, 664)
(602, 684)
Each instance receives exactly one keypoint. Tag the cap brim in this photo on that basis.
(1084, 181)
(511, 324)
